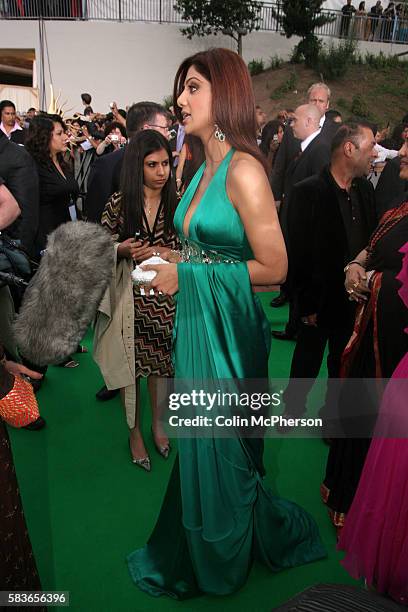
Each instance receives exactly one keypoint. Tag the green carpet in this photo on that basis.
(87, 506)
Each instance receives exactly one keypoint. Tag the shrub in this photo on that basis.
(307, 51)
(287, 86)
(168, 101)
(275, 62)
(359, 107)
(334, 61)
(256, 66)
(341, 102)
(381, 61)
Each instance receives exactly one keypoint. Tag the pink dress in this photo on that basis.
(375, 534)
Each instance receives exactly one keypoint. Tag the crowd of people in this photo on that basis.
(377, 23)
(225, 201)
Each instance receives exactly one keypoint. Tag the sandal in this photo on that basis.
(69, 364)
(81, 349)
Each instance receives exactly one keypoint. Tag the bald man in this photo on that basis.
(313, 157)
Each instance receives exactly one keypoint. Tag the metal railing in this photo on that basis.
(365, 27)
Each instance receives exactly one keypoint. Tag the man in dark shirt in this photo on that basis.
(20, 176)
(330, 222)
(104, 177)
(8, 123)
(347, 10)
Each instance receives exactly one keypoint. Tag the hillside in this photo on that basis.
(383, 93)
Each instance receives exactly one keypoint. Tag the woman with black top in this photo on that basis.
(140, 218)
(47, 142)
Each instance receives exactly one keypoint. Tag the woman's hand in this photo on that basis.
(166, 279)
(17, 369)
(145, 251)
(172, 256)
(356, 283)
(128, 248)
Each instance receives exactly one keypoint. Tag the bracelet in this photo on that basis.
(350, 263)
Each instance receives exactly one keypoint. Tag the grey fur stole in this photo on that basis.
(63, 296)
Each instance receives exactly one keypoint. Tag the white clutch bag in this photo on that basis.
(142, 277)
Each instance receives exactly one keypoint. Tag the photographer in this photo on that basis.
(17, 565)
(115, 138)
(20, 177)
(9, 208)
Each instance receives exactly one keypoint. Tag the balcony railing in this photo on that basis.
(379, 29)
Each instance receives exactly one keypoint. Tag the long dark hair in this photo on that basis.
(270, 130)
(233, 101)
(196, 158)
(39, 138)
(142, 144)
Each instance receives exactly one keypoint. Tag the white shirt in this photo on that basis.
(384, 154)
(322, 120)
(14, 129)
(305, 143)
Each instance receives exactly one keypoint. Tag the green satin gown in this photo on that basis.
(217, 516)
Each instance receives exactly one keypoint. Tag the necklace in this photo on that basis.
(150, 207)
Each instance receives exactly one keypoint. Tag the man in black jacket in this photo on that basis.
(8, 123)
(330, 222)
(20, 176)
(313, 156)
(390, 188)
(104, 178)
(318, 95)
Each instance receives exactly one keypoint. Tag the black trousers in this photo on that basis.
(307, 360)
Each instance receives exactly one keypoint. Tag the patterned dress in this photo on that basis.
(154, 315)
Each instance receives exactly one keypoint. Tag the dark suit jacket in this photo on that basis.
(18, 136)
(315, 157)
(104, 180)
(19, 172)
(319, 245)
(390, 187)
(287, 152)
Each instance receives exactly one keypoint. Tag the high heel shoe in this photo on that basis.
(164, 451)
(143, 462)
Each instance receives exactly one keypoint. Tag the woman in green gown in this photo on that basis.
(217, 516)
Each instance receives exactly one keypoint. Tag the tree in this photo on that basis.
(235, 18)
(301, 18)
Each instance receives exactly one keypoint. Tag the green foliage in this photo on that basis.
(301, 18)
(168, 101)
(381, 61)
(275, 62)
(342, 103)
(287, 86)
(256, 66)
(234, 19)
(359, 107)
(334, 61)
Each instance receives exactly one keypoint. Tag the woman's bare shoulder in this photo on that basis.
(245, 169)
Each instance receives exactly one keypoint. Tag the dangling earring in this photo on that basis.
(219, 134)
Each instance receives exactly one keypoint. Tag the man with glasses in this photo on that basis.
(104, 178)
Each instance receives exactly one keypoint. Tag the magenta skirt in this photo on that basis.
(375, 534)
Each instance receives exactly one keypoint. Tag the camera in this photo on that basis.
(114, 138)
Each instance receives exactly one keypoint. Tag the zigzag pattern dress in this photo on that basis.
(154, 315)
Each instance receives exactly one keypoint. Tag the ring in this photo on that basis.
(355, 285)
(350, 291)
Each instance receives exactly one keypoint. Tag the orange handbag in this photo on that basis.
(19, 407)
